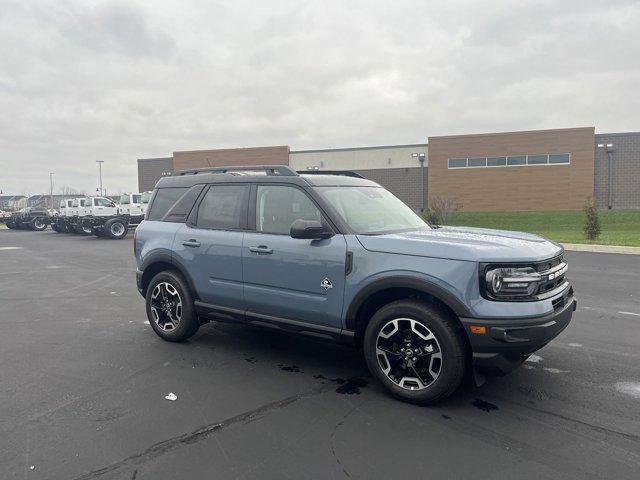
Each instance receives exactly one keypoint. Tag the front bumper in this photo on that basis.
(507, 343)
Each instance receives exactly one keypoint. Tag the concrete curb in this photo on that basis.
(585, 247)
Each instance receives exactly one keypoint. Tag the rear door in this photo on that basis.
(210, 245)
(291, 278)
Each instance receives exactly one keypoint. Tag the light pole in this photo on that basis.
(51, 190)
(100, 162)
(609, 149)
(421, 157)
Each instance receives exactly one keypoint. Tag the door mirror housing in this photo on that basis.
(309, 230)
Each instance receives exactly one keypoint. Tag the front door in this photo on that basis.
(292, 278)
(211, 248)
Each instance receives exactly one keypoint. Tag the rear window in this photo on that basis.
(163, 201)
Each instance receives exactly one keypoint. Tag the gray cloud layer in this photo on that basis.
(116, 81)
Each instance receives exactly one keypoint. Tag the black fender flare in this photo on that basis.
(436, 291)
(167, 257)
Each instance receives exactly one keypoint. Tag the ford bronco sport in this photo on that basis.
(338, 257)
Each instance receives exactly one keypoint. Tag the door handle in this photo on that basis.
(262, 249)
(191, 243)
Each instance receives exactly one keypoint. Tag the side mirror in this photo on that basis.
(309, 230)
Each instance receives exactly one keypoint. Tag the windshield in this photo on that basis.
(372, 210)
(146, 196)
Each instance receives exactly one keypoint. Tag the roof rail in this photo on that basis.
(270, 170)
(343, 173)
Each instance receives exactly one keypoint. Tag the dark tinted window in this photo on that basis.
(163, 201)
(223, 207)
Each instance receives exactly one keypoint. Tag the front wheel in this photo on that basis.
(170, 307)
(38, 224)
(416, 350)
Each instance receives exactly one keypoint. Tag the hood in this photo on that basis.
(465, 243)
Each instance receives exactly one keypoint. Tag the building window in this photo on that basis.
(496, 161)
(562, 158)
(537, 159)
(457, 162)
(511, 161)
(477, 162)
(517, 160)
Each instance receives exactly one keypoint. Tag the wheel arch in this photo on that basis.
(383, 291)
(161, 262)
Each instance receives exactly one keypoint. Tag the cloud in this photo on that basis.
(116, 81)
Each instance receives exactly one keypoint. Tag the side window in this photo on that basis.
(163, 201)
(223, 207)
(279, 206)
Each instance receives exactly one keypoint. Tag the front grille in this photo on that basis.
(553, 274)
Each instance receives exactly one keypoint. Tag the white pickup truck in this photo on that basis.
(114, 221)
(74, 211)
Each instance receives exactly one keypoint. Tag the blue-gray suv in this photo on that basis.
(334, 256)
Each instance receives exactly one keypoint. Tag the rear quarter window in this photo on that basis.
(163, 201)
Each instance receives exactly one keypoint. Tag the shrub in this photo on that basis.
(591, 222)
(440, 210)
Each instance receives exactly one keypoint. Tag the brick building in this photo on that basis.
(532, 170)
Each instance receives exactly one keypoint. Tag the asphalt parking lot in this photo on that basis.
(83, 381)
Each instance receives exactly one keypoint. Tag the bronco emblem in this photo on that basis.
(326, 284)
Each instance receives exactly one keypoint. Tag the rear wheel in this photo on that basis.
(54, 227)
(170, 307)
(11, 224)
(116, 228)
(416, 350)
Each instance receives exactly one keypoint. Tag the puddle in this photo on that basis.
(484, 406)
(351, 386)
(290, 368)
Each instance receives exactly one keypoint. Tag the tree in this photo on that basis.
(440, 210)
(591, 221)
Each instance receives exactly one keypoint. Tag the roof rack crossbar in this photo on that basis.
(343, 173)
(270, 170)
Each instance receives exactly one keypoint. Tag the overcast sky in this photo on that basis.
(82, 81)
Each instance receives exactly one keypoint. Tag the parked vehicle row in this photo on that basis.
(98, 216)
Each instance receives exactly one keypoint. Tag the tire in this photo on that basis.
(165, 325)
(54, 227)
(82, 230)
(38, 224)
(97, 233)
(430, 379)
(11, 224)
(116, 229)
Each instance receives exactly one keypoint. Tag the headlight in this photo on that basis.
(517, 283)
